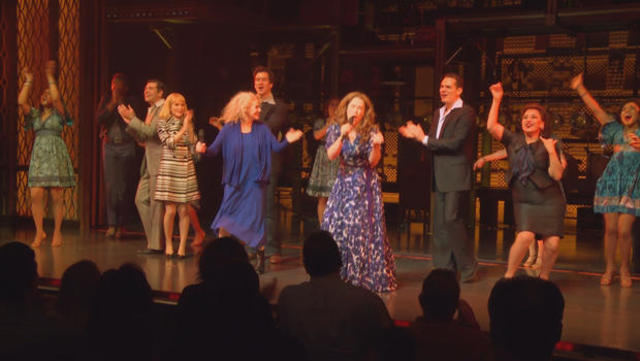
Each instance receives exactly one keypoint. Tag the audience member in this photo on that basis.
(437, 334)
(120, 326)
(78, 290)
(225, 316)
(525, 318)
(333, 319)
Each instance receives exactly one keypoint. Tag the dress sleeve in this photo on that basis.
(166, 138)
(333, 133)
(609, 131)
(507, 137)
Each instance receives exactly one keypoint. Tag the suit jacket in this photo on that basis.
(274, 116)
(453, 153)
(153, 147)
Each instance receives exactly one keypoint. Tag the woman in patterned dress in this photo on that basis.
(246, 145)
(355, 213)
(617, 194)
(324, 171)
(50, 167)
(177, 185)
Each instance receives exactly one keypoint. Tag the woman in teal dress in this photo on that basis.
(617, 194)
(323, 174)
(50, 167)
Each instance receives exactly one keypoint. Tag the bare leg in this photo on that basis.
(610, 245)
(518, 249)
(549, 257)
(322, 205)
(37, 210)
(58, 214)
(183, 222)
(197, 230)
(538, 263)
(169, 216)
(533, 248)
(625, 223)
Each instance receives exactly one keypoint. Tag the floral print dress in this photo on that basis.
(355, 217)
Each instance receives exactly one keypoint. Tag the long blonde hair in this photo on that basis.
(165, 111)
(238, 107)
(368, 122)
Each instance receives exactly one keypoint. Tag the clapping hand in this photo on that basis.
(126, 112)
(377, 138)
(293, 135)
(634, 140)
(201, 147)
(412, 130)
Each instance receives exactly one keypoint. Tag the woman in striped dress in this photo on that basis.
(177, 185)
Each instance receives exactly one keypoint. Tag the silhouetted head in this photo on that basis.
(78, 288)
(219, 253)
(440, 295)
(525, 317)
(321, 255)
(18, 274)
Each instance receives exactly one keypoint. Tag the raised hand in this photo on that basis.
(188, 117)
(549, 144)
(496, 91)
(377, 138)
(577, 81)
(293, 135)
(126, 112)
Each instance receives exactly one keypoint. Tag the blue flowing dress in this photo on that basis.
(246, 166)
(355, 217)
(618, 189)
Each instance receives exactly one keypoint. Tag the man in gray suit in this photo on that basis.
(451, 142)
(151, 211)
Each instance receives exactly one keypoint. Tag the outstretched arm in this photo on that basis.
(578, 85)
(24, 92)
(50, 69)
(501, 154)
(495, 129)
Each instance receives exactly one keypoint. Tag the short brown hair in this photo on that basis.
(263, 69)
(456, 77)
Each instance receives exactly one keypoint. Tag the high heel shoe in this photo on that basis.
(260, 261)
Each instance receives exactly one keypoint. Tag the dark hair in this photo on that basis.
(440, 295)
(122, 77)
(78, 288)
(124, 291)
(320, 254)
(635, 101)
(456, 77)
(525, 317)
(219, 253)
(18, 273)
(263, 69)
(547, 131)
(159, 84)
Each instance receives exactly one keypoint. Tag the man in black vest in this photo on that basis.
(450, 141)
(274, 114)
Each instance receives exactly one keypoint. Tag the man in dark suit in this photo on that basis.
(450, 141)
(274, 114)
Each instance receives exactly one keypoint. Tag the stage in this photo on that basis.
(594, 315)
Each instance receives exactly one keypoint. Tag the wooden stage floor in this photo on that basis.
(594, 315)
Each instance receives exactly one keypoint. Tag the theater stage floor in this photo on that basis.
(594, 315)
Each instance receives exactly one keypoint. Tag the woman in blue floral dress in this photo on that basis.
(618, 189)
(355, 213)
(50, 167)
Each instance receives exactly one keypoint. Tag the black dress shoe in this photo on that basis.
(150, 251)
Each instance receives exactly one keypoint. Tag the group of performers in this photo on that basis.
(344, 178)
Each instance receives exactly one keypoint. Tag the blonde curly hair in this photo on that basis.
(368, 123)
(238, 107)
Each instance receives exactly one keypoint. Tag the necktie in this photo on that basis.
(150, 114)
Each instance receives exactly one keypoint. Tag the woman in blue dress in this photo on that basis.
(50, 167)
(355, 213)
(617, 194)
(246, 146)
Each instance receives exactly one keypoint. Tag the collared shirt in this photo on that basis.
(157, 104)
(269, 99)
(443, 114)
